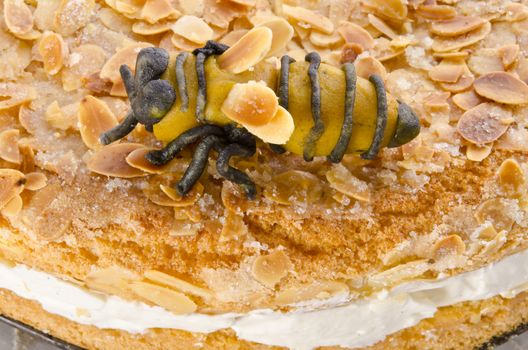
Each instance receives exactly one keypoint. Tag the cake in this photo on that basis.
(265, 174)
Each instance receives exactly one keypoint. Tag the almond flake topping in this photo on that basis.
(35, 181)
(367, 66)
(111, 160)
(176, 283)
(111, 280)
(13, 207)
(248, 51)
(436, 12)
(342, 180)
(271, 269)
(13, 94)
(294, 187)
(11, 185)
(447, 72)
(477, 153)
(9, 146)
(509, 54)
(251, 103)
(53, 51)
(154, 10)
(511, 177)
(18, 17)
(502, 87)
(282, 33)
(126, 55)
(234, 227)
(393, 9)
(484, 61)
(137, 160)
(193, 29)
(303, 15)
(144, 28)
(173, 301)
(352, 33)
(458, 42)
(318, 290)
(383, 27)
(495, 211)
(456, 26)
(484, 123)
(95, 117)
(450, 245)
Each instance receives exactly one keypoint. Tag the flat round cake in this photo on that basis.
(265, 174)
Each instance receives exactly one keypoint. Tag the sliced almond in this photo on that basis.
(95, 117)
(11, 184)
(53, 51)
(466, 100)
(251, 103)
(511, 177)
(448, 246)
(183, 44)
(175, 302)
(349, 53)
(126, 55)
(193, 29)
(111, 160)
(13, 94)
(272, 268)
(18, 17)
(161, 192)
(367, 66)
(514, 12)
(456, 26)
(13, 207)
(446, 72)
(35, 181)
(309, 17)
(9, 146)
(464, 82)
(83, 61)
(294, 187)
(495, 211)
(509, 54)
(393, 9)
(176, 283)
(278, 130)
(234, 227)
(154, 10)
(111, 280)
(502, 87)
(72, 15)
(436, 12)
(248, 51)
(282, 33)
(484, 123)
(318, 290)
(484, 61)
(399, 273)
(384, 51)
(352, 33)
(326, 40)
(138, 160)
(478, 153)
(383, 27)
(444, 44)
(342, 180)
(145, 28)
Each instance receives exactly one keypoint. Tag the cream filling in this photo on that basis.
(352, 324)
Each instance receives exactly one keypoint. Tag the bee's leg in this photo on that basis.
(166, 154)
(232, 174)
(198, 163)
(119, 131)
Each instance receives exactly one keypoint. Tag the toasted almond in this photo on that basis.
(9, 146)
(464, 83)
(233, 36)
(112, 280)
(383, 27)
(437, 102)
(495, 211)
(502, 87)
(234, 227)
(35, 181)
(326, 40)
(317, 290)
(342, 180)
(456, 26)
(282, 33)
(447, 246)
(193, 29)
(11, 184)
(384, 51)
(478, 153)
(509, 54)
(248, 51)
(137, 160)
(154, 10)
(161, 192)
(83, 61)
(367, 66)
(399, 273)
(278, 130)
(14, 94)
(53, 51)
(393, 9)
(57, 118)
(28, 159)
(145, 28)
(111, 160)
(128, 8)
(72, 15)
(315, 20)
(436, 12)
(175, 302)
(95, 117)
(294, 187)
(13, 207)
(484, 123)
(176, 283)
(352, 33)
(18, 17)
(514, 12)
(183, 44)
(272, 268)
(511, 177)
(252, 103)
(126, 55)
(484, 61)
(454, 43)
(466, 100)
(452, 55)
(447, 72)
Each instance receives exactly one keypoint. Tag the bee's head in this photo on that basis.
(407, 126)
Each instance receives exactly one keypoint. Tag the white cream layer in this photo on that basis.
(353, 324)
